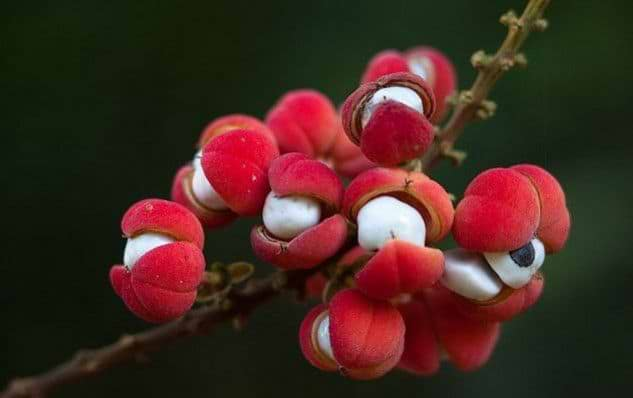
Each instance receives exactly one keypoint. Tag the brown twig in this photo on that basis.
(239, 302)
(472, 104)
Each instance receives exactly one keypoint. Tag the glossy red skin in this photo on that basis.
(307, 250)
(434, 327)
(503, 209)
(165, 217)
(236, 164)
(400, 268)
(415, 188)
(442, 77)
(367, 336)
(395, 133)
(181, 192)
(227, 123)
(440, 72)
(162, 286)
(346, 157)
(304, 121)
(506, 308)
(297, 174)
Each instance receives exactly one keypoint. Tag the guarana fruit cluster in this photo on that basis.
(403, 303)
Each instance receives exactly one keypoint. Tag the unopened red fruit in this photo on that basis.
(304, 121)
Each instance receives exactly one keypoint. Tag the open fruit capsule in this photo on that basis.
(302, 226)
(358, 336)
(397, 214)
(389, 118)
(163, 260)
(426, 62)
(509, 219)
(214, 203)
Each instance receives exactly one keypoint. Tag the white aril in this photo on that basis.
(421, 66)
(287, 216)
(467, 274)
(400, 94)
(517, 267)
(385, 218)
(323, 337)
(138, 246)
(202, 189)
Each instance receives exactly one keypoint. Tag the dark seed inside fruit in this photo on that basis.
(523, 256)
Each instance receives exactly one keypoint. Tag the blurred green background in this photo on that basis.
(101, 102)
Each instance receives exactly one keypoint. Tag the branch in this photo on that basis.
(237, 304)
(472, 104)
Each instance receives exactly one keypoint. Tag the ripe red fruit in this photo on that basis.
(385, 63)
(304, 121)
(227, 123)
(435, 329)
(426, 62)
(416, 189)
(503, 209)
(555, 221)
(236, 165)
(191, 187)
(164, 261)
(360, 337)
(400, 266)
(300, 186)
(388, 118)
(508, 220)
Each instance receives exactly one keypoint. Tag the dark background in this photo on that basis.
(100, 102)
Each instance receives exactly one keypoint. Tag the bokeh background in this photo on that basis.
(101, 102)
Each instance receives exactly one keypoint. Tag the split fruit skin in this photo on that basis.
(395, 132)
(236, 165)
(427, 62)
(504, 208)
(298, 175)
(400, 267)
(242, 199)
(162, 285)
(366, 336)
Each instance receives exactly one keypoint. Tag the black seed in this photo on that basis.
(523, 256)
